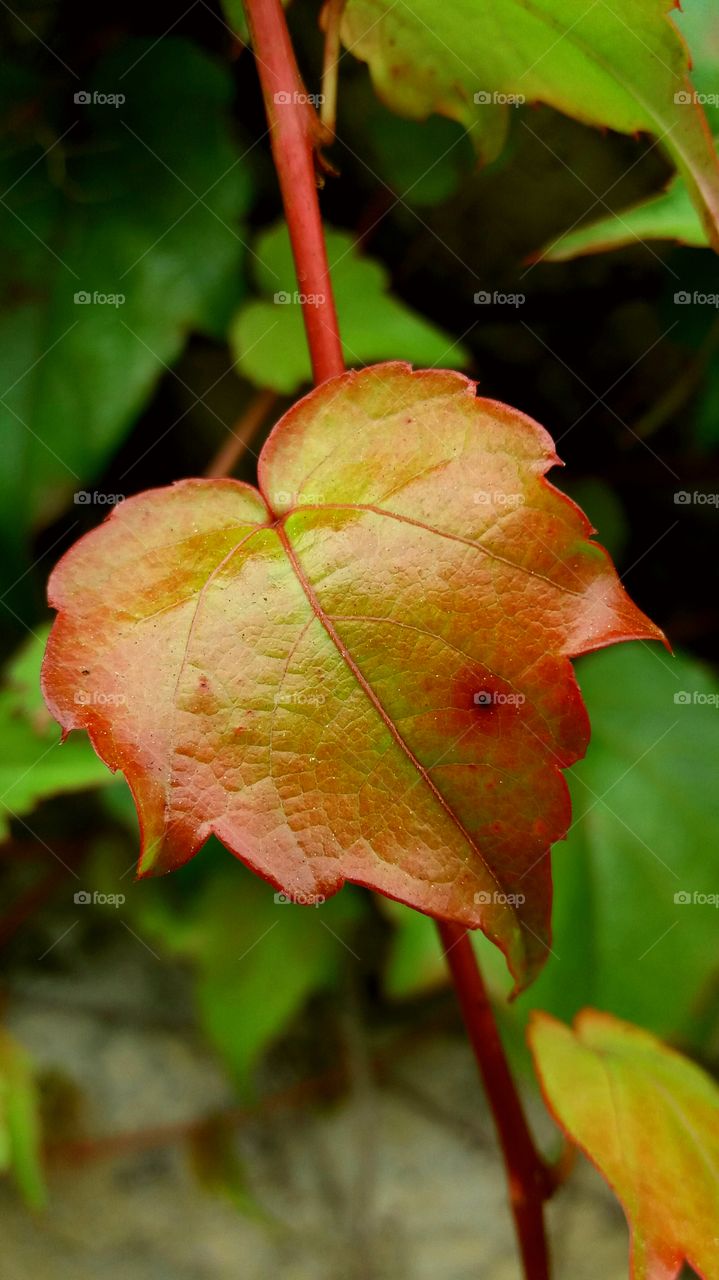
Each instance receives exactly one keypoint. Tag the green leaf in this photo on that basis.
(618, 63)
(257, 956)
(145, 208)
(646, 810)
(649, 1120)
(268, 337)
(34, 764)
(669, 216)
(20, 1136)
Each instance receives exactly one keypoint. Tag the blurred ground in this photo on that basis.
(397, 1180)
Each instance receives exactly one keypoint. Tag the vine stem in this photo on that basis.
(531, 1181)
(295, 135)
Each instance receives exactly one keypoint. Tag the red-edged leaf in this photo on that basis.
(362, 671)
(649, 1120)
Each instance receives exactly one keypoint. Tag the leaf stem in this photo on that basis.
(241, 435)
(295, 135)
(530, 1179)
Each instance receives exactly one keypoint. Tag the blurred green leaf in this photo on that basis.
(422, 162)
(20, 1138)
(622, 66)
(138, 201)
(268, 337)
(646, 812)
(601, 504)
(34, 764)
(257, 957)
(669, 216)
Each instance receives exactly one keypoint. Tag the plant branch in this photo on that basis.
(530, 1180)
(241, 434)
(295, 134)
(332, 15)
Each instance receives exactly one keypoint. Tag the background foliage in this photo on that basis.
(168, 201)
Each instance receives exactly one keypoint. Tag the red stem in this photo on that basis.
(295, 132)
(530, 1181)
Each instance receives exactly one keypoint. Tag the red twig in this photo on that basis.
(530, 1181)
(295, 133)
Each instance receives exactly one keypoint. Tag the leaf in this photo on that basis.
(33, 764)
(642, 842)
(649, 1120)
(362, 674)
(268, 337)
(226, 933)
(669, 216)
(20, 1138)
(617, 63)
(158, 176)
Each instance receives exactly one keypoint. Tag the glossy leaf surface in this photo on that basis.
(361, 671)
(649, 1120)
